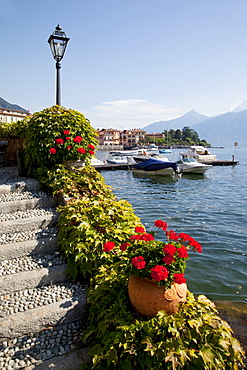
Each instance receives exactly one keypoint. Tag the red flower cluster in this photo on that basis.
(170, 249)
(124, 246)
(108, 246)
(182, 252)
(77, 139)
(172, 235)
(144, 236)
(161, 224)
(170, 256)
(159, 273)
(139, 262)
(179, 278)
(81, 150)
(139, 229)
(59, 141)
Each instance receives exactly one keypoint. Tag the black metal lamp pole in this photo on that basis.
(58, 42)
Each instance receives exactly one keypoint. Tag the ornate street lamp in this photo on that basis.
(58, 42)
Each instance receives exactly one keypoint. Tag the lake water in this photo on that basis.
(212, 208)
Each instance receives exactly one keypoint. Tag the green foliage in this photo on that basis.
(86, 224)
(193, 338)
(15, 129)
(47, 126)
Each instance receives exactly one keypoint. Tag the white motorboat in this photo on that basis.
(121, 157)
(191, 165)
(200, 153)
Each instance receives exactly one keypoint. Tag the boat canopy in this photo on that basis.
(155, 165)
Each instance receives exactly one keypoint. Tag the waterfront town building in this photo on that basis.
(11, 115)
(131, 137)
(108, 136)
(124, 138)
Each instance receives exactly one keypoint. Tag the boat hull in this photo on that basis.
(163, 172)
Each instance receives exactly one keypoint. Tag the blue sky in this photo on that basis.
(128, 62)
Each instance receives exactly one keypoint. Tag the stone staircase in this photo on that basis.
(42, 314)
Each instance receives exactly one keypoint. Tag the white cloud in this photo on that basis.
(130, 113)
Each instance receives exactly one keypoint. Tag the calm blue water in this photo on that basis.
(212, 208)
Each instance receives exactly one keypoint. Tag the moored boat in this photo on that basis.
(191, 165)
(200, 153)
(156, 167)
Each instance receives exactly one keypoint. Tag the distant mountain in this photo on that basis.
(189, 119)
(5, 104)
(240, 106)
(225, 129)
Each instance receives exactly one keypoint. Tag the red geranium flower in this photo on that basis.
(77, 139)
(170, 249)
(139, 229)
(179, 278)
(81, 150)
(90, 146)
(161, 224)
(59, 141)
(159, 273)
(66, 132)
(108, 246)
(135, 237)
(196, 245)
(146, 237)
(168, 259)
(182, 252)
(124, 246)
(69, 147)
(91, 152)
(68, 138)
(139, 262)
(172, 235)
(53, 151)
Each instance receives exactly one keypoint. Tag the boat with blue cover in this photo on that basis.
(156, 167)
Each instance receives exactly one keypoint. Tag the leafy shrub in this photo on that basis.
(58, 134)
(16, 129)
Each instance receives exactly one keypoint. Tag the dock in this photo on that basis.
(222, 163)
(113, 166)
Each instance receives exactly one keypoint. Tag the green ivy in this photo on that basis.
(193, 338)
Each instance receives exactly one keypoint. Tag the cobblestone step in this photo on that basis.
(20, 249)
(27, 201)
(37, 219)
(31, 271)
(58, 345)
(50, 310)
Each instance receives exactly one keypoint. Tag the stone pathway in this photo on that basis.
(42, 314)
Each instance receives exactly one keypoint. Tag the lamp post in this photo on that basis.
(58, 42)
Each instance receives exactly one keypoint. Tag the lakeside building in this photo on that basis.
(125, 138)
(11, 115)
(131, 137)
(108, 136)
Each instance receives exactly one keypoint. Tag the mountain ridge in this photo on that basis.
(7, 105)
(188, 119)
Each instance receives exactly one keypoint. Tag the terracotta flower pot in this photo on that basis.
(148, 298)
(73, 164)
